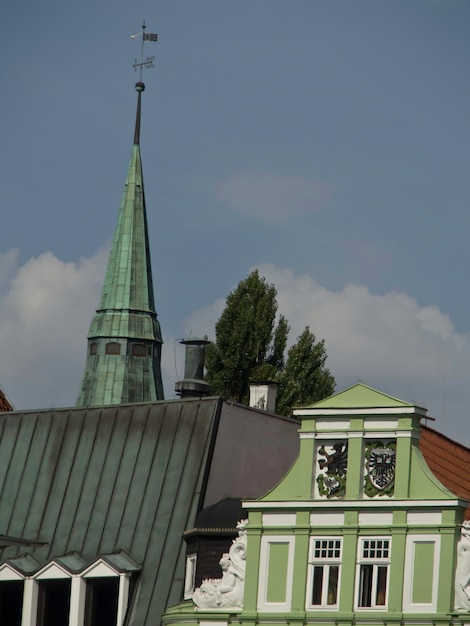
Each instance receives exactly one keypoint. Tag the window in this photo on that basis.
(139, 349)
(11, 602)
(190, 578)
(113, 348)
(101, 607)
(323, 576)
(54, 603)
(93, 348)
(372, 583)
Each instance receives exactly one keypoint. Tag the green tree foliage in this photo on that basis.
(250, 347)
(248, 344)
(305, 379)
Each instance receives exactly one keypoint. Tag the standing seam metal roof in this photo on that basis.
(97, 481)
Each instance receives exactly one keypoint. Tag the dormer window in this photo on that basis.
(139, 349)
(113, 347)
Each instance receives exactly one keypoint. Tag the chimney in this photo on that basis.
(263, 396)
(193, 385)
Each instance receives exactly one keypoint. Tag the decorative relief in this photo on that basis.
(333, 465)
(462, 571)
(379, 468)
(226, 593)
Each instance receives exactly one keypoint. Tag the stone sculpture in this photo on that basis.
(226, 593)
(462, 571)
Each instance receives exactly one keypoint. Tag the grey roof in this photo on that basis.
(123, 483)
(98, 481)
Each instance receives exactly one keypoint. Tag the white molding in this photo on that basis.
(335, 424)
(52, 571)
(376, 563)
(7, 573)
(375, 518)
(424, 518)
(352, 504)
(123, 598)
(190, 576)
(359, 434)
(266, 542)
(100, 569)
(406, 410)
(411, 541)
(326, 518)
(311, 564)
(30, 603)
(77, 601)
(279, 519)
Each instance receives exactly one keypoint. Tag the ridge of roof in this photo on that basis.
(360, 396)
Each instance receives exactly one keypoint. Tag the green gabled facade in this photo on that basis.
(124, 340)
(359, 531)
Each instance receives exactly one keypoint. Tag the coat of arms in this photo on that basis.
(333, 463)
(380, 466)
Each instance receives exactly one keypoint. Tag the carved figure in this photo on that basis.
(226, 593)
(462, 571)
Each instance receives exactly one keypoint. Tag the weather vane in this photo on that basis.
(148, 61)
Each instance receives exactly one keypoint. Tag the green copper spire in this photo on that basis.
(124, 341)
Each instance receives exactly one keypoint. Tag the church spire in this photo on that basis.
(124, 340)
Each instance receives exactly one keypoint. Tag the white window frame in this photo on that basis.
(325, 552)
(54, 571)
(190, 576)
(376, 552)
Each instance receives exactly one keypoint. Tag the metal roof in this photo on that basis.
(111, 480)
(126, 313)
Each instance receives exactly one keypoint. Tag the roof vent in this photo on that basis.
(193, 385)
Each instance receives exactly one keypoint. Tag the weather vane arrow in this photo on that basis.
(148, 61)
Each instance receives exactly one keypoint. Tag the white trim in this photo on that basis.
(77, 601)
(52, 571)
(352, 504)
(376, 563)
(279, 519)
(123, 598)
(100, 569)
(359, 434)
(406, 410)
(424, 518)
(326, 518)
(30, 603)
(331, 423)
(266, 542)
(411, 541)
(319, 562)
(190, 576)
(7, 573)
(375, 518)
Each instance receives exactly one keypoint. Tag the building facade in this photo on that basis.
(359, 531)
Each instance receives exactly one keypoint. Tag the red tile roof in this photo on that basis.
(4, 403)
(448, 460)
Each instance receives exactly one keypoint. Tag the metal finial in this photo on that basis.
(148, 62)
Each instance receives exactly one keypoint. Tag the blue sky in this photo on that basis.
(326, 142)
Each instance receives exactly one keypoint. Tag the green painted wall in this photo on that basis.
(277, 572)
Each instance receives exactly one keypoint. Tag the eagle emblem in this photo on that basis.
(381, 467)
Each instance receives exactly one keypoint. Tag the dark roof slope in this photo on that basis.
(448, 460)
(105, 479)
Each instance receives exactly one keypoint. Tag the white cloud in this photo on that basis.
(272, 196)
(387, 341)
(47, 306)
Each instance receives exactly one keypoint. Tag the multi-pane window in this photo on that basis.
(374, 563)
(324, 568)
